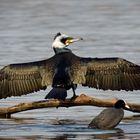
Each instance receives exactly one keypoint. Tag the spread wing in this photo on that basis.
(107, 73)
(20, 79)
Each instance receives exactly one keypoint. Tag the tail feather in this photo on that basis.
(57, 93)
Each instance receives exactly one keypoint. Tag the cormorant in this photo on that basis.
(65, 70)
(110, 117)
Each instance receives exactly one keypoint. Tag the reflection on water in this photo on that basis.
(109, 28)
(29, 130)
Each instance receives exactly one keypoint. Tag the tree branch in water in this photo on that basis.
(81, 100)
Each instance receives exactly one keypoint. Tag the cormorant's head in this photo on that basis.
(61, 41)
(121, 104)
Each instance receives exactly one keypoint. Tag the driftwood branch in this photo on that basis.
(82, 100)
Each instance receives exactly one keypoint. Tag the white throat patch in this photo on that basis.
(57, 42)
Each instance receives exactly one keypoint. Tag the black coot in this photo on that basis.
(110, 117)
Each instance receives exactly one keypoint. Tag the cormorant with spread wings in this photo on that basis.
(65, 70)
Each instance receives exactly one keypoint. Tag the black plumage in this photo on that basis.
(66, 70)
(109, 117)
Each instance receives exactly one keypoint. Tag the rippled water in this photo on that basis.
(109, 28)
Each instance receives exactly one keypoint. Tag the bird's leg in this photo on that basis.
(74, 94)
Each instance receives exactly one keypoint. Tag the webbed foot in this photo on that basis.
(74, 97)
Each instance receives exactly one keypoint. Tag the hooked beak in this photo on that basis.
(71, 40)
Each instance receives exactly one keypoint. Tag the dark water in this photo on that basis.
(109, 28)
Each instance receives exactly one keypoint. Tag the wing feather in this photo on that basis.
(20, 79)
(108, 73)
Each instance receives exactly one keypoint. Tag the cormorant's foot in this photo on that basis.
(73, 97)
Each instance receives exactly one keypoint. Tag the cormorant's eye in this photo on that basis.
(63, 40)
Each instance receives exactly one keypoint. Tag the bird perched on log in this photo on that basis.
(110, 117)
(65, 71)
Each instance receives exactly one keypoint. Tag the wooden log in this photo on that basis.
(81, 100)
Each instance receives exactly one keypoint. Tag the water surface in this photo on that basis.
(109, 28)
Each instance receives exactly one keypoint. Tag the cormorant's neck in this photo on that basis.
(61, 50)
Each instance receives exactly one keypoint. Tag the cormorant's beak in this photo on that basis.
(71, 40)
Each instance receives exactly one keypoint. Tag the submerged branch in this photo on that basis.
(81, 100)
